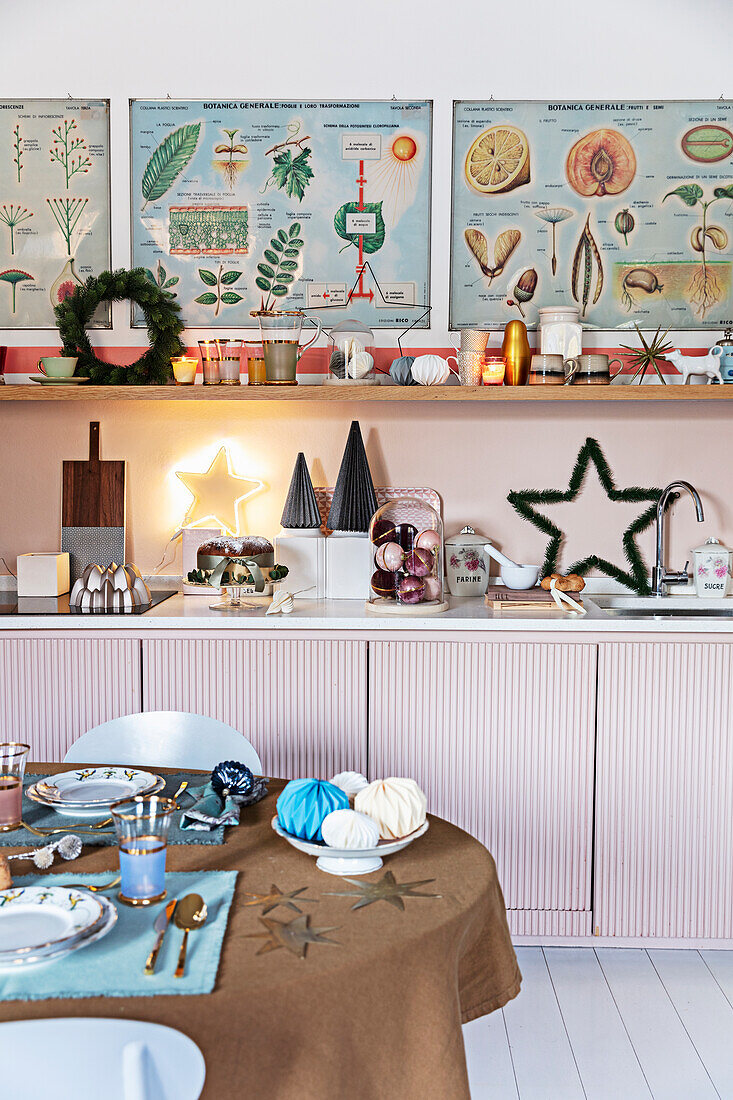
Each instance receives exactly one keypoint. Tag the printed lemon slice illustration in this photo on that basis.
(498, 160)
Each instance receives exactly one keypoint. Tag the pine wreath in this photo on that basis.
(523, 500)
(161, 317)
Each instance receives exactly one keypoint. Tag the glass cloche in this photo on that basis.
(351, 354)
(406, 562)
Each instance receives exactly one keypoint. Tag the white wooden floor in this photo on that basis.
(609, 1024)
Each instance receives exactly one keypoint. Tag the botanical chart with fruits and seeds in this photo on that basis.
(321, 206)
(623, 209)
(54, 205)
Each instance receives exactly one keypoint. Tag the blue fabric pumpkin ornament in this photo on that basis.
(230, 779)
(401, 371)
(304, 803)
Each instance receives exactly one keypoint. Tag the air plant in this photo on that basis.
(705, 290)
(646, 356)
(13, 216)
(14, 276)
(230, 166)
(553, 215)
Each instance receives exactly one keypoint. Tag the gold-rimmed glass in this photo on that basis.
(13, 757)
(142, 826)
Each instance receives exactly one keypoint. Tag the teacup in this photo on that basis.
(592, 370)
(57, 366)
(551, 370)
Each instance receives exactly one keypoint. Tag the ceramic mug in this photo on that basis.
(551, 370)
(57, 366)
(592, 370)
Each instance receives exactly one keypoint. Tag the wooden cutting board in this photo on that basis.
(509, 599)
(93, 492)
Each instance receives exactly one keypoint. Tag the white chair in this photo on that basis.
(164, 739)
(83, 1059)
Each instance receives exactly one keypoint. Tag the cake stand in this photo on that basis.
(348, 861)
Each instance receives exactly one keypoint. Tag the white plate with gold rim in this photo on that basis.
(89, 792)
(35, 920)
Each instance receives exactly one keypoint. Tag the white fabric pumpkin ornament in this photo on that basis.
(397, 805)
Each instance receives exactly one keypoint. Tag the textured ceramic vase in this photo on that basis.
(515, 349)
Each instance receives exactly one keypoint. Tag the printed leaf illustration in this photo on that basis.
(230, 297)
(263, 284)
(161, 280)
(276, 244)
(271, 256)
(266, 270)
(230, 277)
(294, 230)
(724, 192)
(276, 276)
(207, 299)
(279, 290)
(286, 265)
(207, 277)
(688, 192)
(292, 174)
(14, 276)
(168, 161)
(371, 242)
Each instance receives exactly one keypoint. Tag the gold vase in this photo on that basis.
(515, 349)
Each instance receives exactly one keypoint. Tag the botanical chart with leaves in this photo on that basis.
(623, 209)
(54, 205)
(243, 205)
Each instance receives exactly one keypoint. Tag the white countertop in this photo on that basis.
(465, 616)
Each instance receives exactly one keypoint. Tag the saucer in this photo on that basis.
(45, 380)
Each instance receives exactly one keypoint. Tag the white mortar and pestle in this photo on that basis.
(513, 575)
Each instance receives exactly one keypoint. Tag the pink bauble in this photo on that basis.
(428, 540)
(410, 589)
(419, 563)
(389, 556)
(432, 588)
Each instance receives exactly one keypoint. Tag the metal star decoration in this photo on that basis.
(277, 897)
(387, 889)
(294, 935)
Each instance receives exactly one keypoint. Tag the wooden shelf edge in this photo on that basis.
(421, 394)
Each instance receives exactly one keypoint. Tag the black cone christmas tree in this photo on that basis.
(301, 510)
(354, 500)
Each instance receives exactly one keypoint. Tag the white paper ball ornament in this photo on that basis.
(350, 783)
(349, 829)
(430, 370)
(398, 806)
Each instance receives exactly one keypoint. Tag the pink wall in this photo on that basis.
(471, 455)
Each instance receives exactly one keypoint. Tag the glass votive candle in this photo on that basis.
(493, 370)
(256, 374)
(184, 370)
(13, 756)
(142, 826)
(229, 362)
(210, 351)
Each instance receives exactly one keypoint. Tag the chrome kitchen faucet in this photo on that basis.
(660, 576)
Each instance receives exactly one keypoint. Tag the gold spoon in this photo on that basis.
(190, 913)
(94, 889)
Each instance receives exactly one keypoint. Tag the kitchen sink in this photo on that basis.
(666, 607)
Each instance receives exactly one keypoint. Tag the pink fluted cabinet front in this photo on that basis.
(500, 736)
(53, 689)
(301, 702)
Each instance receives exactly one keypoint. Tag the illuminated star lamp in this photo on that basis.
(217, 494)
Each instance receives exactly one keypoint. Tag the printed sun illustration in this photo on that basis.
(394, 177)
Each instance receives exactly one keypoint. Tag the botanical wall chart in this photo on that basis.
(241, 204)
(625, 209)
(54, 204)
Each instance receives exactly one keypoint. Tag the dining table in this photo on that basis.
(366, 1001)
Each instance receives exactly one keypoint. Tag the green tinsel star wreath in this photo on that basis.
(161, 317)
(523, 500)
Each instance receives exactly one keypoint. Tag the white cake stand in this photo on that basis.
(348, 861)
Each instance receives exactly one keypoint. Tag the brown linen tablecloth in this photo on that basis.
(377, 1017)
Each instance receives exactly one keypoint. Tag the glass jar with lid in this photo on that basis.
(406, 562)
(351, 355)
(561, 332)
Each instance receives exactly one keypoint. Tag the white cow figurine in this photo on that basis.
(689, 365)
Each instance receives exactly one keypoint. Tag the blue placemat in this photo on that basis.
(113, 966)
(44, 818)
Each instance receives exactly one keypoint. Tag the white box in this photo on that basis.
(43, 574)
(349, 566)
(304, 554)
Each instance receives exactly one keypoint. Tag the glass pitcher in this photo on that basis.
(280, 332)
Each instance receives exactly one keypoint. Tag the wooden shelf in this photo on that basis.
(560, 394)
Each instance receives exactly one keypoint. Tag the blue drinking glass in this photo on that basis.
(142, 826)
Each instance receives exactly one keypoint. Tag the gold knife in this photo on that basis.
(161, 924)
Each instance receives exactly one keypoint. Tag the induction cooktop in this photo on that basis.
(59, 605)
